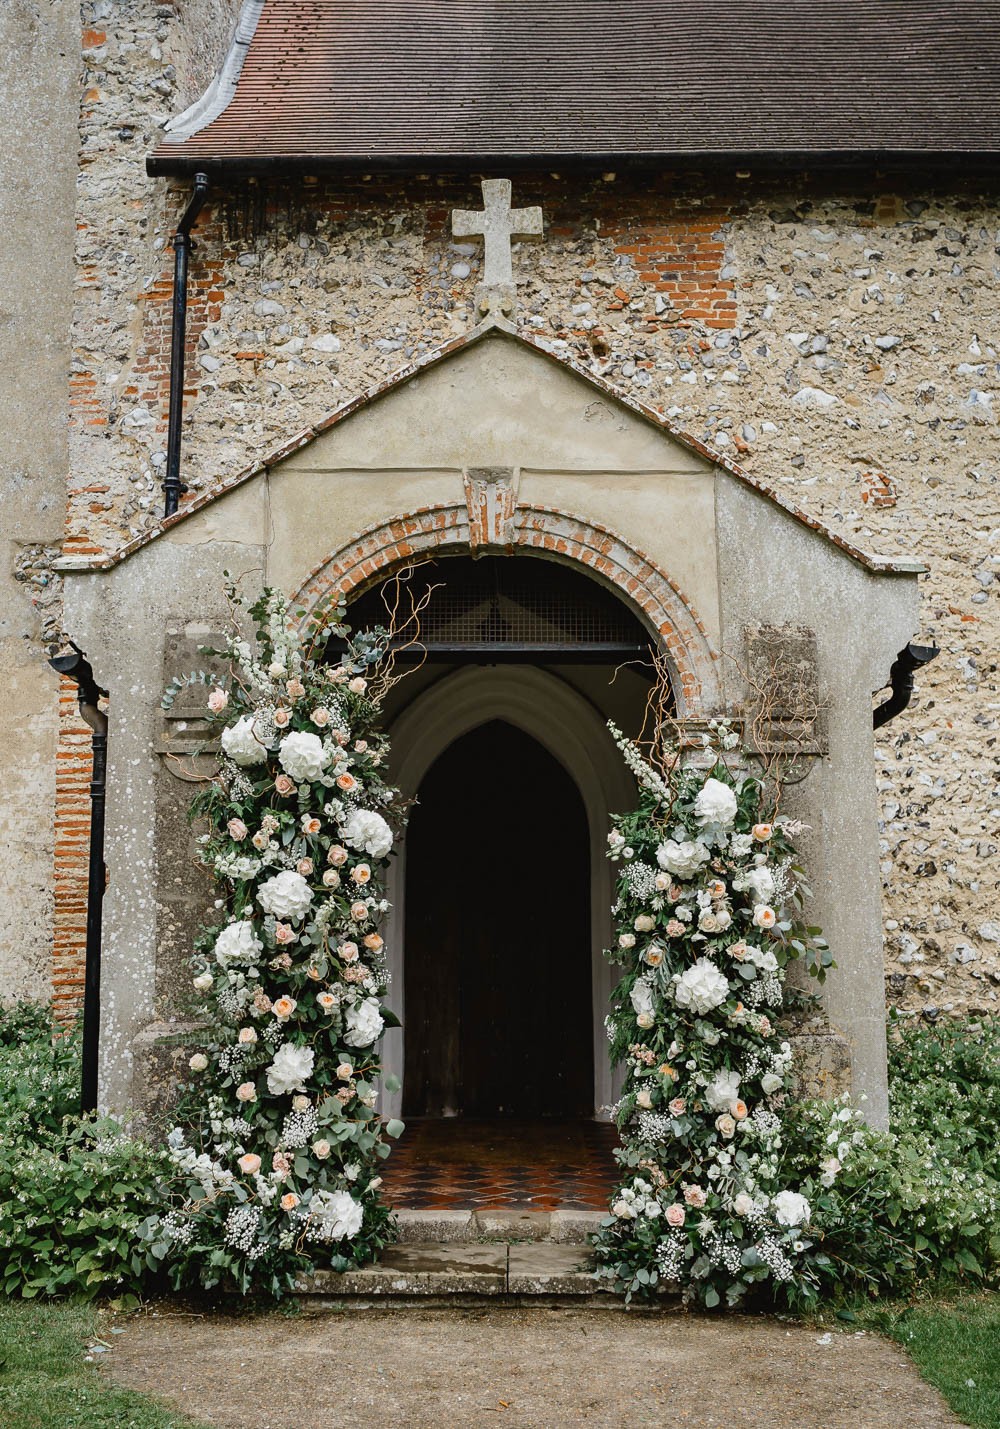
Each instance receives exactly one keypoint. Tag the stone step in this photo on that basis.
(462, 1268)
(559, 1227)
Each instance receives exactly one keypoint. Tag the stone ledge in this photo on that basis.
(460, 1268)
(557, 1227)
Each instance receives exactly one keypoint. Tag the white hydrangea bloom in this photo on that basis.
(723, 1090)
(302, 756)
(241, 745)
(335, 1215)
(287, 895)
(363, 1023)
(238, 943)
(701, 987)
(367, 832)
(790, 1209)
(715, 804)
(683, 859)
(290, 1069)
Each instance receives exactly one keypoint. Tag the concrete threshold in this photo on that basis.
(558, 1227)
(463, 1268)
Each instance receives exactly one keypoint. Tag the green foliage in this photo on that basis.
(73, 1191)
(46, 1383)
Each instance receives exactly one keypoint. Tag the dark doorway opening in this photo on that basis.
(499, 1005)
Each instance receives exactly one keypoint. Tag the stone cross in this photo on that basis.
(499, 224)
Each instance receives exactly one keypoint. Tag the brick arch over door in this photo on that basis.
(446, 530)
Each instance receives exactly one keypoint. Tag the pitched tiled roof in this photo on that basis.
(316, 83)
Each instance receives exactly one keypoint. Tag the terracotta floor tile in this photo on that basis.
(452, 1163)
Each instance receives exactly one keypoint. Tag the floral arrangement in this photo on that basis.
(708, 903)
(276, 1152)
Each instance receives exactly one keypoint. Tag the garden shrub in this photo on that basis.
(73, 1190)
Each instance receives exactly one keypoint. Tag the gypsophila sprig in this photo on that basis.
(706, 918)
(278, 1123)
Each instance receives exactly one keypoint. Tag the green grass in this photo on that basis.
(45, 1382)
(955, 1343)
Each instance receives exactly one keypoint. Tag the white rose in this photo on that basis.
(291, 1067)
(642, 1000)
(236, 944)
(241, 744)
(287, 895)
(770, 1083)
(363, 1023)
(723, 1090)
(742, 1204)
(715, 804)
(367, 832)
(700, 987)
(198, 1062)
(644, 923)
(790, 1209)
(335, 1215)
(302, 756)
(623, 1211)
(203, 982)
(684, 859)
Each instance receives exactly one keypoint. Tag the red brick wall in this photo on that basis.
(72, 852)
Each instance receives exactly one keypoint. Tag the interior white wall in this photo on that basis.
(572, 730)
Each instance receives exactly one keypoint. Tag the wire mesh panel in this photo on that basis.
(505, 604)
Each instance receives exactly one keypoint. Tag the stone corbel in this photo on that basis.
(491, 498)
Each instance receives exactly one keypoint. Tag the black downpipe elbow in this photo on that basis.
(901, 675)
(173, 488)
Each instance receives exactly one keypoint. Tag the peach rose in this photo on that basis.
(764, 916)
(738, 950)
(282, 717)
(284, 934)
(345, 1072)
(676, 1214)
(321, 1149)
(296, 689)
(320, 717)
(373, 942)
(762, 832)
(310, 824)
(331, 878)
(217, 701)
(284, 785)
(644, 923)
(327, 1001)
(360, 745)
(653, 956)
(260, 839)
(717, 889)
(249, 1164)
(337, 855)
(246, 1092)
(361, 873)
(357, 686)
(237, 829)
(247, 1036)
(304, 866)
(666, 1070)
(725, 1125)
(359, 912)
(289, 1201)
(283, 1008)
(346, 781)
(348, 952)
(739, 1110)
(678, 1106)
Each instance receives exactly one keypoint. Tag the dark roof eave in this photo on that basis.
(162, 164)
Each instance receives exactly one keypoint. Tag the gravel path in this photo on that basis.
(540, 1367)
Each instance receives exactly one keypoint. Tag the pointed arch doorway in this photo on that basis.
(501, 890)
(498, 985)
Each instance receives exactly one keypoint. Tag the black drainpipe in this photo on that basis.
(183, 243)
(901, 674)
(88, 692)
